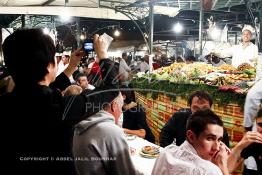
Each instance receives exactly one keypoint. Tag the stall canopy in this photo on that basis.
(108, 8)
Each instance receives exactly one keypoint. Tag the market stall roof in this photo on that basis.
(232, 13)
(107, 8)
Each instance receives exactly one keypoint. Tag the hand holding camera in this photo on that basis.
(99, 44)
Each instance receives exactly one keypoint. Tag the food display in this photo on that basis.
(202, 73)
(149, 152)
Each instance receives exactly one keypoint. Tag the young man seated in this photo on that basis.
(203, 152)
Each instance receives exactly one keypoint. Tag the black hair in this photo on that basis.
(80, 75)
(127, 92)
(27, 53)
(191, 58)
(199, 120)
(259, 113)
(124, 54)
(200, 95)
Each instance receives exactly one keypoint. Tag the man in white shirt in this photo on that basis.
(144, 66)
(245, 52)
(124, 69)
(259, 68)
(203, 153)
(252, 105)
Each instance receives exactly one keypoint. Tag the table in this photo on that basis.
(144, 165)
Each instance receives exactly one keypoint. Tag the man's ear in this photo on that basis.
(50, 67)
(124, 96)
(190, 135)
(113, 106)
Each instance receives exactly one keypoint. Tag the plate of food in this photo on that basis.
(130, 137)
(149, 152)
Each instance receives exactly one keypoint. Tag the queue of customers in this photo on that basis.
(54, 119)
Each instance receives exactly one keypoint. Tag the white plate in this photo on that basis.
(130, 137)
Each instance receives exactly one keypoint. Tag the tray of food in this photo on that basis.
(149, 152)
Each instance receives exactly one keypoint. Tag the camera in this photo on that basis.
(88, 45)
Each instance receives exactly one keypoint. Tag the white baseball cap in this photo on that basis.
(58, 54)
(67, 53)
(249, 28)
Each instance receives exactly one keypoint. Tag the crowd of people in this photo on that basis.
(59, 110)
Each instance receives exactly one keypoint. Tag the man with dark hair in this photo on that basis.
(83, 82)
(175, 129)
(40, 140)
(250, 145)
(202, 153)
(134, 117)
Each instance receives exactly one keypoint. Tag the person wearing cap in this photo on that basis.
(63, 63)
(246, 51)
(99, 145)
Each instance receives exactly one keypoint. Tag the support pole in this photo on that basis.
(260, 30)
(200, 27)
(236, 38)
(78, 33)
(151, 30)
(23, 21)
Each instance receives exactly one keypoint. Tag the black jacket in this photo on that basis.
(255, 150)
(134, 119)
(175, 128)
(36, 135)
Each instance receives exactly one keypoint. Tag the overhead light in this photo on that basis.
(82, 37)
(178, 27)
(117, 33)
(46, 31)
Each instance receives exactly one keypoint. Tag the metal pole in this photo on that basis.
(200, 27)
(194, 47)
(78, 33)
(260, 28)
(166, 47)
(236, 38)
(23, 21)
(151, 30)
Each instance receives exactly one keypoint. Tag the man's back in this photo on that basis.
(99, 147)
(34, 115)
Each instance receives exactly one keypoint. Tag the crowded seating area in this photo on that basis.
(95, 108)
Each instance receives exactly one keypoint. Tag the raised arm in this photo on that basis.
(235, 159)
